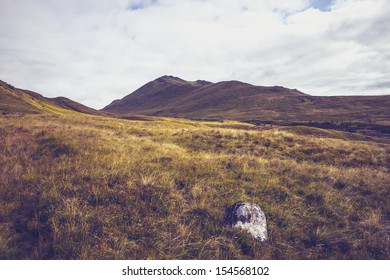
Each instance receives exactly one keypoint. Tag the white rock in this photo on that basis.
(251, 218)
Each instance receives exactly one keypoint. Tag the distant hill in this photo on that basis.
(69, 104)
(173, 97)
(14, 100)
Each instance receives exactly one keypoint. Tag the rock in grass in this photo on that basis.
(251, 218)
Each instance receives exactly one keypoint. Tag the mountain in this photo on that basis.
(14, 100)
(173, 97)
(69, 104)
(160, 93)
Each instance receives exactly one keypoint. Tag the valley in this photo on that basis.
(77, 183)
(76, 186)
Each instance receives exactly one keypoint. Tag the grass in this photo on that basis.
(74, 186)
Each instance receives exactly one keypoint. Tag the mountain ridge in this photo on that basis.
(176, 92)
(16, 100)
(170, 96)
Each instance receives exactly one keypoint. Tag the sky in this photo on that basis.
(95, 51)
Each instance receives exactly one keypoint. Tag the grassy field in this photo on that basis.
(74, 186)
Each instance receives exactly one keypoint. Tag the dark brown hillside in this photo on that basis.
(162, 92)
(171, 96)
(226, 99)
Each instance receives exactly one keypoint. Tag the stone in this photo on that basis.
(249, 217)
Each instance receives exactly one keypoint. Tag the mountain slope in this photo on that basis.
(14, 100)
(69, 104)
(160, 93)
(174, 97)
(171, 96)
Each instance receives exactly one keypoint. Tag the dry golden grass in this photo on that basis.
(85, 187)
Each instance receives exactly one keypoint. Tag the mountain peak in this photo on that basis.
(202, 82)
(170, 79)
(6, 85)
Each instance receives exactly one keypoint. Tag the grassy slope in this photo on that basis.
(14, 100)
(87, 187)
(11, 101)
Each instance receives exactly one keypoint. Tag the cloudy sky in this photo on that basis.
(95, 51)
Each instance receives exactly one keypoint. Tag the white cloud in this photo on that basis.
(97, 51)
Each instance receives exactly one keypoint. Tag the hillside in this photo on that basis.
(76, 186)
(171, 96)
(11, 100)
(14, 100)
(174, 97)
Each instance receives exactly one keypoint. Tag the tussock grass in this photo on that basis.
(74, 186)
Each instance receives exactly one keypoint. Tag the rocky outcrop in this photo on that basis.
(250, 217)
